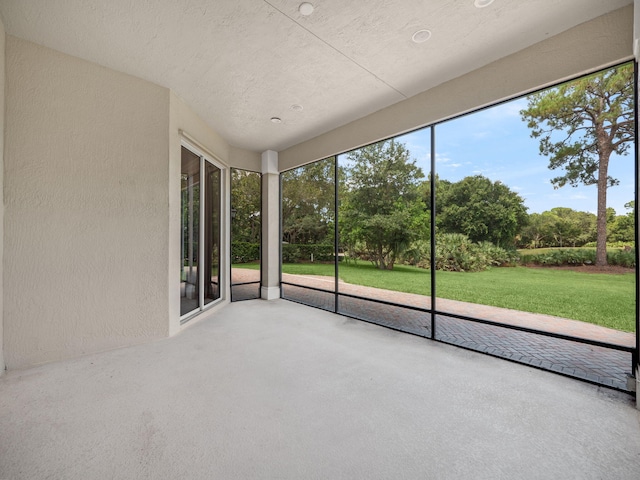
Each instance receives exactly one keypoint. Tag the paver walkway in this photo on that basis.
(596, 364)
(245, 291)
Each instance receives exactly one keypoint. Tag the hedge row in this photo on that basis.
(245, 252)
(623, 258)
(454, 253)
(292, 253)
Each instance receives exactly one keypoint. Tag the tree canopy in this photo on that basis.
(308, 199)
(382, 211)
(481, 209)
(580, 124)
(622, 227)
(246, 203)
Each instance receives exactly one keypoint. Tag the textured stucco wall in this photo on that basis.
(86, 207)
(2, 43)
(603, 41)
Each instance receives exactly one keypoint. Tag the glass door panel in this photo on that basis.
(201, 187)
(211, 260)
(190, 230)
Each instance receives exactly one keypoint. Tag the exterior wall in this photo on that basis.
(188, 126)
(2, 45)
(244, 159)
(601, 42)
(86, 207)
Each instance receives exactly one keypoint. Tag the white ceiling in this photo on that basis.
(238, 63)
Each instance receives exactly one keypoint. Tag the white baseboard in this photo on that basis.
(269, 293)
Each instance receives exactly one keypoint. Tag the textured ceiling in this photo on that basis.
(238, 63)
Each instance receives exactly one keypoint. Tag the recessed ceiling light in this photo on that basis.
(482, 3)
(421, 36)
(305, 9)
(296, 108)
(276, 120)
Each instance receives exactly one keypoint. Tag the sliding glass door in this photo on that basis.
(201, 233)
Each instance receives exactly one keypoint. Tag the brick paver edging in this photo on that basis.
(594, 364)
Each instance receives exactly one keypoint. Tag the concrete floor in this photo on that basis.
(277, 390)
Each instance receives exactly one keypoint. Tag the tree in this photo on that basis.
(246, 204)
(579, 125)
(308, 195)
(565, 226)
(622, 229)
(559, 227)
(481, 209)
(381, 209)
(587, 222)
(425, 189)
(538, 232)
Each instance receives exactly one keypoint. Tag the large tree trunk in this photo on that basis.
(601, 223)
(380, 264)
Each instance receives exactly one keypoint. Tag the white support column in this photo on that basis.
(270, 275)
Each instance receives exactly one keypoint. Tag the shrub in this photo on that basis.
(562, 257)
(612, 244)
(455, 252)
(290, 253)
(623, 258)
(245, 252)
(417, 254)
(499, 256)
(295, 252)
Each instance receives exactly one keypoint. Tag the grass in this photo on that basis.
(601, 299)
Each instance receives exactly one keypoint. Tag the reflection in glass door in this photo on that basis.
(200, 247)
(189, 281)
(211, 260)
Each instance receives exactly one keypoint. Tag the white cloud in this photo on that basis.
(442, 158)
(419, 151)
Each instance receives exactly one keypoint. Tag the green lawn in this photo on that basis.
(602, 299)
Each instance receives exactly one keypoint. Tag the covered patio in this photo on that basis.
(122, 123)
(279, 390)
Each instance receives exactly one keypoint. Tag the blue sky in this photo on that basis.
(496, 143)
